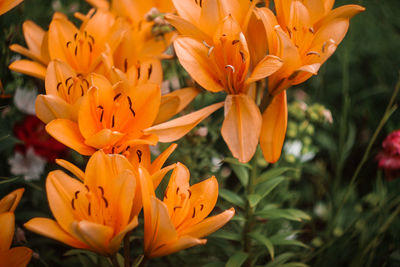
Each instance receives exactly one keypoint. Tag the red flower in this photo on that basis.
(389, 157)
(33, 134)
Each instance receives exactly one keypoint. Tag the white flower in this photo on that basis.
(293, 148)
(31, 166)
(24, 100)
(321, 210)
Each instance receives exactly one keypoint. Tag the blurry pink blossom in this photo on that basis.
(389, 157)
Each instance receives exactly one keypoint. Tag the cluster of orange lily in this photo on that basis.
(103, 99)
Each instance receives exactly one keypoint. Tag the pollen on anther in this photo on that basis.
(231, 67)
(194, 212)
(139, 154)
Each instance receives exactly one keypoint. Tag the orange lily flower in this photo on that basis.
(36, 40)
(6, 5)
(94, 214)
(110, 118)
(224, 65)
(64, 91)
(304, 35)
(17, 256)
(178, 222)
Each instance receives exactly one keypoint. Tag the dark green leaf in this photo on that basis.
(237, 259)
(231, 197)
(263, 240)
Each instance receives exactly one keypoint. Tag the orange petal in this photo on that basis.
(7, 224)
(6, 5)
(185, 27)
(60, 190)
(10, 201)
(304, 73)
(16, 257)
(159, 175)
(192, 54)
(175, 102)
(72, 168)
(34, 37)
(51, 107)
(67, 132)
(209, 225)
(183, 242)
(29, 68)
(206, 194)
(242, 126)
(267, 66)
(25, 52)
(188, 10)
(274, 122)
(115, 242)
(57, 71)
(343, 12)
(104, 138)
(163, 231)
(51, 229)
(177, 128)
(96, 236)
(160, 160)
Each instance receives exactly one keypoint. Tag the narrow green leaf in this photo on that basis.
(286, 239)
(289, 214)
(236, 162)
(231, 197)
(241, 173)
(265, 176)
(294, 264)
(9, 180)
(264, 189)
(263, 240)
(281, 259)
(237, 259)
(214, 264)
(227, 235)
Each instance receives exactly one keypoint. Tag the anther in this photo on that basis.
(201, 207)
(311, 29)
(113, 122)
(235, 42)
(207, 45)
(105, 201)
(101, 115)
(190, 193)
(194, 212)
(58, 86)
(67, 80)
(90, 47)
(125, 65)
(113, 150)
(138, 72)
(75, 35)
(313, 53)
(102, 190)
(150, 71)
(91, 38)
(89, 209)
(243, 56)
(76, 50)
(139, 154)
(201, 2)
(210, 51)
(289, 31)
(177, 190)
(87, 188)
(76, 194)
(230, 66)
(86, 82)
(73, 203)
(177, 207)
(82, 91)
(116, 97)
(323, 47)
(68, 43)
(69, 88)
(130, 106)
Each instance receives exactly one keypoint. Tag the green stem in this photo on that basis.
(127, 249)
(388, 112)
(247, 245)
(114, 260)
(143, 263)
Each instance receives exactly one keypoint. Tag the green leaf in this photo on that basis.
(275, 172)
(264, 189)
(289, 214)
(9, 180)
(214, 264)
(236, 162)
(294, 264)
(231, 197)
(284, 239)
(281, 259)
(227, 235)
(241, 173)
(237, 259)
(263, 240)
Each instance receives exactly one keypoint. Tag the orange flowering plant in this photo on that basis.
(107, 95)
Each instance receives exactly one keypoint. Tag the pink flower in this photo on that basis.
(389, 157)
